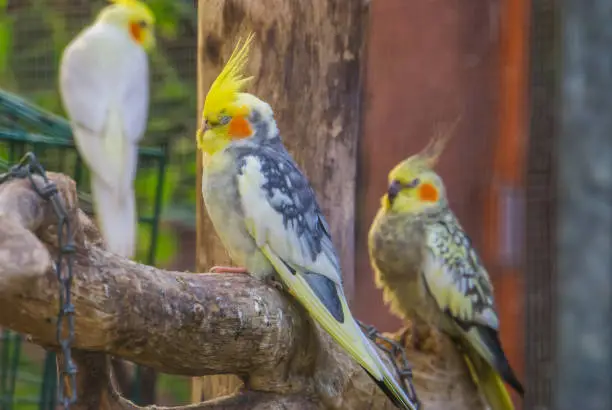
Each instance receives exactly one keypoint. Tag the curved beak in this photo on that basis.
(149, 42)
(204, 127)
(394, 188)
(200, 134)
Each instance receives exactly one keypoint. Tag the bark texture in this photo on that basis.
(185, 323)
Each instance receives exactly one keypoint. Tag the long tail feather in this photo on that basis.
(488, 381)
(347, 333)
(486, 341)
(116, 215)
(489, 367)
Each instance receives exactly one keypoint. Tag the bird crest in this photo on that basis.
(137, 6)
(429, 156)
(231, 80)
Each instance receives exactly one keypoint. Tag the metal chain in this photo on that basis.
(397, 354)
(27, 168)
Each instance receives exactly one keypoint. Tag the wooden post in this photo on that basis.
(306, 63)
(540, 218)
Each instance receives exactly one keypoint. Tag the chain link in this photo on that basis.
(27, 168)
(397, 354)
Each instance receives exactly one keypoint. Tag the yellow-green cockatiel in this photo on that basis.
(429, 271)
(104, 85)
(267, 216)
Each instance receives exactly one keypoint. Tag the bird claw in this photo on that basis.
(369, 330)
(417, 340)
(425, 338)
(271, 281)
(228, 269)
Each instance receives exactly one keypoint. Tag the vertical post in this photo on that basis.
(503, 249)
(540, 229)
(306, 63)
(209, 251)
(583, 374)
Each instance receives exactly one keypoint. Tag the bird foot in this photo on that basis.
(426, 338)
(275, 283)
(228, 269)
(414, 336)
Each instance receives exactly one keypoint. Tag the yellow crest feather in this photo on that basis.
(138, 6)
(435, 147)
(231, 80)
(428, 157)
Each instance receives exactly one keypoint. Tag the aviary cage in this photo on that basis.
(25, 127)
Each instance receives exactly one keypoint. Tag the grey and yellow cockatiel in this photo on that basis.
(267, 216)
(104, 85)
(429, 271)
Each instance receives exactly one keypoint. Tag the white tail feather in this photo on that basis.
(116, 215)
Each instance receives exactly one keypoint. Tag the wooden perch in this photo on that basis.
(174, 322)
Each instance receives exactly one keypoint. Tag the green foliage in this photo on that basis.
(169, 14)
(145, 187)
(177, 387)
(28, 389)
(6, 32)
(22, 369)
(6, 42)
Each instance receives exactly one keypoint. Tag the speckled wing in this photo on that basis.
(454, 276)
(281, 212)
(283, 217)
(461, 287)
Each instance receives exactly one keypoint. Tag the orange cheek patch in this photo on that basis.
(428, 192)
(136, 32)
(239, 127)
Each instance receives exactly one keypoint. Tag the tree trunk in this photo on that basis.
(306, 62)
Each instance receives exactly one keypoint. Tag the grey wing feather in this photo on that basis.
(303, 242)
(325, 289)
(465, 281)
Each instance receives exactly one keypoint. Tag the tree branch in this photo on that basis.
(179, 323)
(188, 324)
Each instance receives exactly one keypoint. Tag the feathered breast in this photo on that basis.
(396, 246)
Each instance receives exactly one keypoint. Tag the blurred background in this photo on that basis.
(33, 34)
(532, 93)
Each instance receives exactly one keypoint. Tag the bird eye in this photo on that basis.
(415, 182)
(224, 119)
(142, 24)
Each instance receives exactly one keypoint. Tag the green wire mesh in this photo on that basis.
(25, 127)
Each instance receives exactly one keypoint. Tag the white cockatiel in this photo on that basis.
(104, 85)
